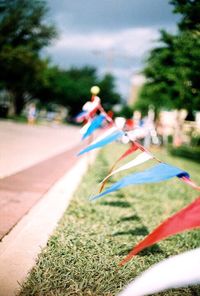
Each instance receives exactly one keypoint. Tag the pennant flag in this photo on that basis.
(94, 109)
(177, 271)
(106, 132)
(190, 183)
(137, 133)
(108, 117)
(157, 173)
(81, 116)
(92, 106)
(110, 138)
(141, 158)
(95, 124)
(85, 127)
(133, 148)
(186, 219)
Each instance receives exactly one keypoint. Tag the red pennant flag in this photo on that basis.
(107, 115)
(186, 219)
(133, 148)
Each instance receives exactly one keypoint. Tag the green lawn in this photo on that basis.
(82, 255)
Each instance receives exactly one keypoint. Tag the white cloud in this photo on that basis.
(132, 42)
(121, 52)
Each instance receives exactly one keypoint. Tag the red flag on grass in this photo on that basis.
(186, 219)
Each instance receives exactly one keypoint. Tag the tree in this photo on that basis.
(71, 88)
(173, 69)
(23, 32)
(189, 10)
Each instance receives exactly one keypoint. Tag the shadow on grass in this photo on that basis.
(120, 194)
(121, 204)
(153, 250)
(137, 231)
(130, 218)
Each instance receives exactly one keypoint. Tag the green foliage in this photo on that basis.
(22, 24)
(173, 68)
(71, 88)
(20, 71)
(23, 32)
(195, 140)
(68, 88)
(82, 255)
(186, 152)
(189, 9)
(126, 112)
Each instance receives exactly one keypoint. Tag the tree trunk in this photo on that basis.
(18, 103)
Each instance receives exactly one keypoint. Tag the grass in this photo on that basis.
(17, 118)
(82, 256)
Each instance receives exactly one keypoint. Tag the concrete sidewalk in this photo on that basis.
(19, 192)
(20, 248)
(34, 193)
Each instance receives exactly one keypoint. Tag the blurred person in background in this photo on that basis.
(31, 114)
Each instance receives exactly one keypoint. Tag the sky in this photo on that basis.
(112, 35)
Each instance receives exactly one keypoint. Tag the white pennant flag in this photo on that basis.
(177, 271)
(141, 158)
(85, 127)
(106, 133)
(91, 105)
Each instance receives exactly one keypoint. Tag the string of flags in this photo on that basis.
(186, 219)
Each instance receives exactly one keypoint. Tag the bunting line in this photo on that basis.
(174, 271)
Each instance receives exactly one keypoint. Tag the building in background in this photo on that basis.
(137, 82)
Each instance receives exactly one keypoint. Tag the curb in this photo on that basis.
(20, 248)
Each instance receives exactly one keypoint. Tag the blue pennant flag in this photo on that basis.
(157, 173)
(110, 138)
(95, 124)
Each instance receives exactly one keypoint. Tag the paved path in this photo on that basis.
(22, 146)
(25, 146)
(20, 248)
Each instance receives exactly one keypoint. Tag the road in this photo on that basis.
(22, 145)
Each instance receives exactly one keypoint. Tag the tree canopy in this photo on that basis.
(23, 32)
(71, 88)
(173, 69)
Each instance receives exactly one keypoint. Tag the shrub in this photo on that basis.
(186, 152)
